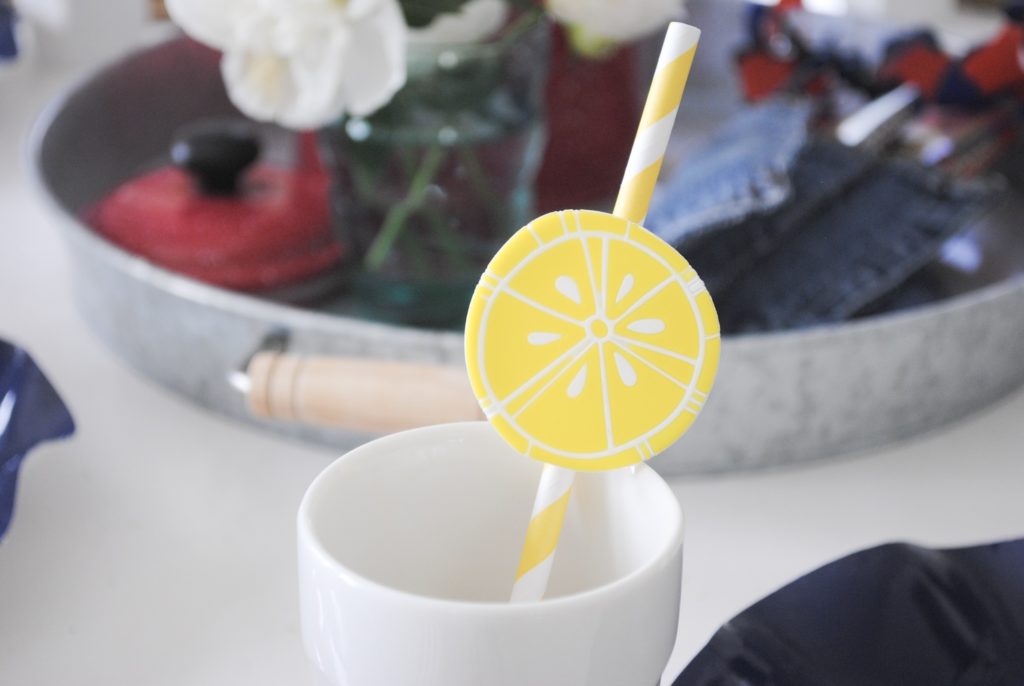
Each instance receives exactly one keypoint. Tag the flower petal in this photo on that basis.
(375, 60)
(319, 70)
(358, 10)
(617, 19)
(213, 22)
(474, 21)
(257, 82)
(304, 63)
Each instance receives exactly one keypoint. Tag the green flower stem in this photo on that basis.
(523, 23)
(363, 180)
(478, 177)
(412, 248)
(397, 216)
(408, 244)
(449, 239)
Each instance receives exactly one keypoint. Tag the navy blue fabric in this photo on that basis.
(895, 615)
(957, 88)
(8, 45)
(30, 412)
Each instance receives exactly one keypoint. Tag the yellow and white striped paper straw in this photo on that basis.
(634, 198)
(542, 533)
(656, 122)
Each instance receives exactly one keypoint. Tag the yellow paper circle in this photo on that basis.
(590, 342)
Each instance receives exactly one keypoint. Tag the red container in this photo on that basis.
(212, 217)
(593, 109)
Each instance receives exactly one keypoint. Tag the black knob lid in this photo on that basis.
(216, 153)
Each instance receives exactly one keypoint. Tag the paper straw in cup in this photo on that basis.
(542, 534)
(634, 198)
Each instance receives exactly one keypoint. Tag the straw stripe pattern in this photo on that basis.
(542, 533)
(634, 197)
(659, 115)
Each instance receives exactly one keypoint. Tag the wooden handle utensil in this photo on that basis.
(360, 394)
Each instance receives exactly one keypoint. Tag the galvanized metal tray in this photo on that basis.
(780, 398)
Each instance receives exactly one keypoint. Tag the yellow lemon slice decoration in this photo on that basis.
(590, 342)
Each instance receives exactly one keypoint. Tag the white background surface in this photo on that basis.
(157, 546)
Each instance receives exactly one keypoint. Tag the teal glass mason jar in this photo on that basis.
(425, 190)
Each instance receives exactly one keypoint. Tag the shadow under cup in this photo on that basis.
(408, 548)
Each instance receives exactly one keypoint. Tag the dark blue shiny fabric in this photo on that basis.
(895, 615)
(8, 45)
(30, 412)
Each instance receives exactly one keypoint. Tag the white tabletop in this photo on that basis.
(157, 546)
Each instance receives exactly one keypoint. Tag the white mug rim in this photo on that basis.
(308, 541)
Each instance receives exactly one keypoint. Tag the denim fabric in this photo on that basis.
(860, 246)
(742, 170)
(820, 174)
(1011, 165)
(922, 288)
(30, 412)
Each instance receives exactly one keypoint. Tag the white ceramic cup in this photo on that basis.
(408, 548)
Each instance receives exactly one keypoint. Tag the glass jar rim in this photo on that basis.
(524, 25)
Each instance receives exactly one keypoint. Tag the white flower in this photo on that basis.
(620, 20)
(302, 63)
(472, 22)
